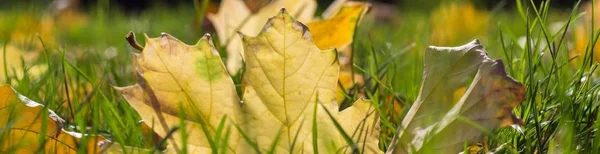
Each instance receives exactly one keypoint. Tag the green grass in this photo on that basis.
(559, 113)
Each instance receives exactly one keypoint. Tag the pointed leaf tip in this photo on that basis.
(226, 22)
(476, 42)
(25, 126)
(207, 36)
(283, 11)
(304, 29)
(146, 38)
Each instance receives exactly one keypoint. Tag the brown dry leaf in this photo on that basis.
(27, 127)
(289, 83)
(487, 100)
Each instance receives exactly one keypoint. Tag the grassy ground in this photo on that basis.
(558, 115)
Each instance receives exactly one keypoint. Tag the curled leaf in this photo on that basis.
(28, 127)
(439, 120)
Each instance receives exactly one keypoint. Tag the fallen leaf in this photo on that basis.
(437, 120)
(28, 127)
(286, 74)
(174, 75)
(235, 16)
(337, 30)
(289, 89)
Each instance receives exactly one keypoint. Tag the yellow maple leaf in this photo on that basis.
(175, 75)
(487, 100)
(336, 30)
(288, 98)
(340, 13)
(25, 122)
(235, 16)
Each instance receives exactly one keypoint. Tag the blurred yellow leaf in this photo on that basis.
(436, 121)
(15, 58)
(337, 31)
(28, 127)
(456, 22)
(28, 27)
(289, 86)
(582, 36)
(25, 32)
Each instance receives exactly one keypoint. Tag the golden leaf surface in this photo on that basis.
(341, 17)
(337, 31)
(176, 76)
(235, 16)
(437, 120)
(28, 127)
(289, 85)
